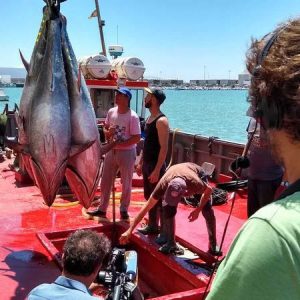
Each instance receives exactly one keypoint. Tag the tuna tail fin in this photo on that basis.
(24, 61)
(54, 8)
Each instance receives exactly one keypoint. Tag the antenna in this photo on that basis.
(101, 24)
(117, 34)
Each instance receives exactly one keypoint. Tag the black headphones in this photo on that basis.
(269, 112)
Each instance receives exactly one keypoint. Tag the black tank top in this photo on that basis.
(151, 144)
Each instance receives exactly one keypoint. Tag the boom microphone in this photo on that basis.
(131, 269)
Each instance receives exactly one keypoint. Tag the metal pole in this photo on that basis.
(114, 230)
(100, 24)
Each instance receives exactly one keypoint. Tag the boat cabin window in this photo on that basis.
(102, 101)
(137, 102)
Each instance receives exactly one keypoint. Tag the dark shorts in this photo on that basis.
(175, 191)
(261, 193)
(148, 168)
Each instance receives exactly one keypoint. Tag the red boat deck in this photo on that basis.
(25, 262)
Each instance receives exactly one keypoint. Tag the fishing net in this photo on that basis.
(218, 196)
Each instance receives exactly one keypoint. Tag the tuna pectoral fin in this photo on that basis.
(79, 187)
(48, 186)
(76, 149)
(24, 61)
(25, 159)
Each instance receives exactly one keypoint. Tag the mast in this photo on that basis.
(100, 24)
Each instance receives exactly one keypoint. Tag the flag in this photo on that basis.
(93, 14)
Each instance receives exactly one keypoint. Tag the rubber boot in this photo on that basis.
(152, 227)
(210, 220)
(161, 239)
(170, 247)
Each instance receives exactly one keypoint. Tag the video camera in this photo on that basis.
(120, 275)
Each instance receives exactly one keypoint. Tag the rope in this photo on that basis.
(172, 147)
(236, 174)
(68, 204)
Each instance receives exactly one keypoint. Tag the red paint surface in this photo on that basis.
(25, 262)
(114, 83)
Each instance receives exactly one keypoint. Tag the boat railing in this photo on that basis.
(199, 149)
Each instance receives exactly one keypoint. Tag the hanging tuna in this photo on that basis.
(57, 124)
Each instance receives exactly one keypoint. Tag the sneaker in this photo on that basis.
(171, 249)
(215, 252)
(124, 215)
(161, 239)
(148, 230)
(97, 213)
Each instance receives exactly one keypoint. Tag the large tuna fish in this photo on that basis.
(83, 170)
(50, 128)
(57, 121)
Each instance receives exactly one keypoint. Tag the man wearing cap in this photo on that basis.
(152, 162)
(121, 124)
(179, 180)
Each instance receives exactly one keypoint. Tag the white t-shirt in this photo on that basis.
(126, 125)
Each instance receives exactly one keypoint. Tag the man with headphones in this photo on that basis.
(264, 259)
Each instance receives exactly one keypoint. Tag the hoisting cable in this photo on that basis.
(235, 169)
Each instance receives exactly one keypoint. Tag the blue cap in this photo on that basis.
(125, 91)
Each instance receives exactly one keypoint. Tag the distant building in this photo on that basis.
(165, 82)
(213, 82)
(5, 79)
(244, 79)
(13, 72)
(18, 81)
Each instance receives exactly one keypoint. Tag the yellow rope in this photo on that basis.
(74, 203)
(68, 204)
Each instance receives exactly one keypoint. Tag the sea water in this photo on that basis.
(14, 97)
(219, 113)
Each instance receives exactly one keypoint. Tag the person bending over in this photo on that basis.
(180, 180)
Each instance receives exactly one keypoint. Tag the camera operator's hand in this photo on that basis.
(138, 169)
(124, 238)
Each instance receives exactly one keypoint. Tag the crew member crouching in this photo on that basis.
(185, 179)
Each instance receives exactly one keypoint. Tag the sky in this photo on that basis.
(175, 39)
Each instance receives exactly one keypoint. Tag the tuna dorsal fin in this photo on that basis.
(24, 61)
